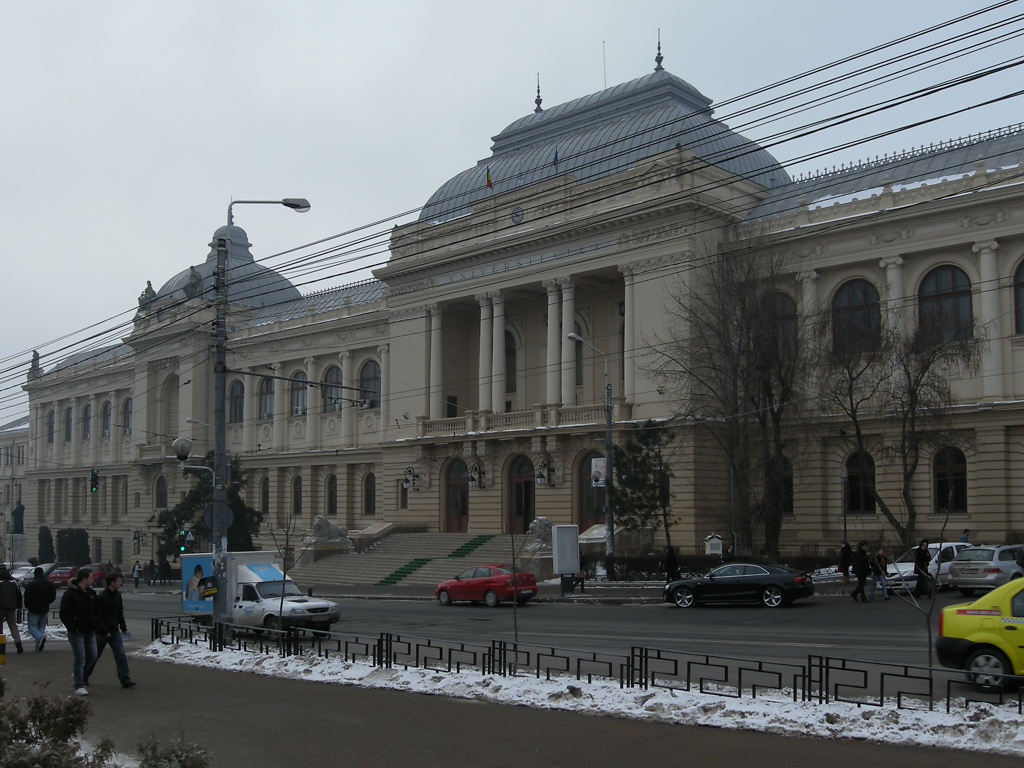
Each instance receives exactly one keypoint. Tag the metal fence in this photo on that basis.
(819, 680)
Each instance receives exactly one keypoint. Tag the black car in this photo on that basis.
(772, 585)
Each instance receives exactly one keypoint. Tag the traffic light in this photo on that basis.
(95, 481)
(181, 540)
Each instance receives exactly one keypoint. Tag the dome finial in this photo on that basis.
(538, 100)
(659, 58)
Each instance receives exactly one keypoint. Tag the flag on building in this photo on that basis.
(490, 183)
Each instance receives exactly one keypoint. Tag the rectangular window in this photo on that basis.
(451, 406)
(118, 551)
(97, 550)
(403, 496)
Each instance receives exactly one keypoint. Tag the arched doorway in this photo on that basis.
(522, 483)
(457, 498)
(590, 504)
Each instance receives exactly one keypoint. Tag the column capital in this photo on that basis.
(565, 283)
(890, 261)
(308, 361)
(434, 309)
(550, 285)
(494, 295)
(808, 275)
(383, 349)
(627, 270)
(989, 245)
(483, 299)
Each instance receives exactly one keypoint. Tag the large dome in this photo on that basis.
(605, 133)
(248, 282)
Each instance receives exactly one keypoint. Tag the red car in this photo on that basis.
(59, 577)
(490, 584)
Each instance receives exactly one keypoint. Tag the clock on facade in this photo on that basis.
(517, 215)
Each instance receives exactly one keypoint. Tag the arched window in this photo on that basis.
(369, 494)
(949, 469)
(87, 422)
(1018, 299)
(332, 496)
(297, 496)
(126, 416)
(51, 426)
(944, 305)
(107, 409)
(298, 399)
(69, 417)
(783, 325)
(510, 362)
(161, 492)
(856, 318)
(369, 383)
(333, 393)
(860, 480)
(236, 402)
(590, 507)
(265, 496)
(266, 399)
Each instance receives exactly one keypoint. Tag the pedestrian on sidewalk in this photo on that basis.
(922, 559)
(861, 569)
(879, 566)
(78, 612)
(10, 604)
(109, 626)
(150, 573)
(39, 596)
(845, 561)
(135, 573)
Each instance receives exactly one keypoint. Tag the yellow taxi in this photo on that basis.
(985, 638)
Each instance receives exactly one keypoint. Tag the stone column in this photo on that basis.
(348, 414)
(992, 356)
(568, 346)
(95, 429)
(436, 408)
(250, 402)
(484, 363)
(895, 298)
(281, 404)
(808, 280)
(385, 390)
(115, 428)
(314, 403)
(552, 391)
(628, 361)
(498, 354)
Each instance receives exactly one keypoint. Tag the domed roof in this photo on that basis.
(248, 282)
(602, 134)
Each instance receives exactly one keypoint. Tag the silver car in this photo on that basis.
(985, 566)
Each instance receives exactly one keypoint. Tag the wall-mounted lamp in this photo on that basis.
(543, 473)
(409, 481)
(476, 476)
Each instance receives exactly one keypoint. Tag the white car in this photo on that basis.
(23, 574)
(900, 574)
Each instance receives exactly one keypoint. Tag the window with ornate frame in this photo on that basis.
(369, 383)
(298, 394)
(126, 416)
(297, 495)
(856, 318)
(107, 418)
(236, 402)
(332, 392)
(266, 399)
(332, 496)
(369, 494)
(860, 480)
(949, 474)
(87, 422)
(944, 305)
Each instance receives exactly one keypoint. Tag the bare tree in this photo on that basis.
(733, 360)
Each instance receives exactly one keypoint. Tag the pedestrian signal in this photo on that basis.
(95, 481)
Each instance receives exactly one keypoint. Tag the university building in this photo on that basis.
(449, 396)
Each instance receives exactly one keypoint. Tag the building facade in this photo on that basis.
(446, 395)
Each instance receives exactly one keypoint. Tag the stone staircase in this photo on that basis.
(406, 559)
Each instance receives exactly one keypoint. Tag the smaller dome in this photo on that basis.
(248, 282)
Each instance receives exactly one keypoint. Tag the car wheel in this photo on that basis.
(988, 668)
(684, 597)
(272, 622)
(966, 592)
(491, 598)
(771, 597)
(444, 598)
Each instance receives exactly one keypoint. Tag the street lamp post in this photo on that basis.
(221, 478)
(609, 508)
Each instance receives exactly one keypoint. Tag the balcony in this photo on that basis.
(549, 416)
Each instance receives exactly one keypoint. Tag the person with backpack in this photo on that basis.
(39, 596)
(10, 604)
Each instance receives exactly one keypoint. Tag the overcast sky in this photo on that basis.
(129, 126)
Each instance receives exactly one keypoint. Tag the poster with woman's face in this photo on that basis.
(196, 578)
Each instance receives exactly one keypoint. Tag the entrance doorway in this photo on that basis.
(457, 498)
(522, 489)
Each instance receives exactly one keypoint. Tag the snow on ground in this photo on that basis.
(979, 727)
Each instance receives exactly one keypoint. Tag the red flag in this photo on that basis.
(490, 183)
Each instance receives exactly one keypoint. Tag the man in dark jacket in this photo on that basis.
(109, 626)
(922, 559)
(39, 596)
(78, 614)
(10, 603)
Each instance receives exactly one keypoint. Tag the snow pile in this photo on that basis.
(979, 727)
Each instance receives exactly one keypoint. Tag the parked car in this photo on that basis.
(772, 585)
(24, 574)
(900, 573)
(982, 637)
(491, 584)
(60, 576)
(984, 566)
